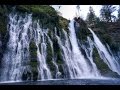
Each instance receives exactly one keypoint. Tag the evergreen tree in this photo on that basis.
(91, 17)
(106, 12)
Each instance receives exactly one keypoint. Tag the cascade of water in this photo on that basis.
(40, 40)
(79, 63)
(58, 73)
(17, 53)
(66, 53)
(16, 58)
(89, 52)
(105, 55)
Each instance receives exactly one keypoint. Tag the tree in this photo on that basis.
(106, 12)
(91, 17)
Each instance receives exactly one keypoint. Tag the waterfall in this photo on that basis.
(16, 58)
(23, 30)
(17, 53)
(105, 55)
(44, 71)
(79, 63)
(89, 52)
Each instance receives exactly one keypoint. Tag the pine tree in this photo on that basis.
(106, 12)
(91, 17)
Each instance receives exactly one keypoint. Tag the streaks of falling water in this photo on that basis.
(89, 53)
(105, 55)
(79, 63)
(17, 48)
(44, 71)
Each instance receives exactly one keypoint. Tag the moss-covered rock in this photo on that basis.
(81, 29)
(37, 9)
(58, 56)
(33, 60)
(108, 33)
(46, 14)
(99, 62)
(34, 70)
(64, 23)
(49, 59)
(102, 66)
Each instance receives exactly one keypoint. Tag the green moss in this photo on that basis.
(33, 63)
(103, 67)
(34, 69)
(4, 35)
(37, 9)
(50, 58)
(58, 56)
(99, 63)
(3, 25)
(57, 51)
(60, 61)
(33, 46)
(33, 51)
(33, 60)
(64, 23)
(47, 16)
(82, 30)
(107, 39)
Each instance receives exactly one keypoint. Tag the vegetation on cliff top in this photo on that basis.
(47, 14)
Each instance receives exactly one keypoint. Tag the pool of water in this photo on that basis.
(105, 81)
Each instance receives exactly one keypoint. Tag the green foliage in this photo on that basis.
(2, 11)
(91, 17)
(102, 66)
(99, 62)
(107, 39)
(57, 51)
(58, 55)
(46, 14)
(49, 58)
(46, 9)
(100, 24)
(106, 12)
(81, 31)
(64, 23)
(3, 21)
(3, 26)
(33, 51)
(33, 60)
